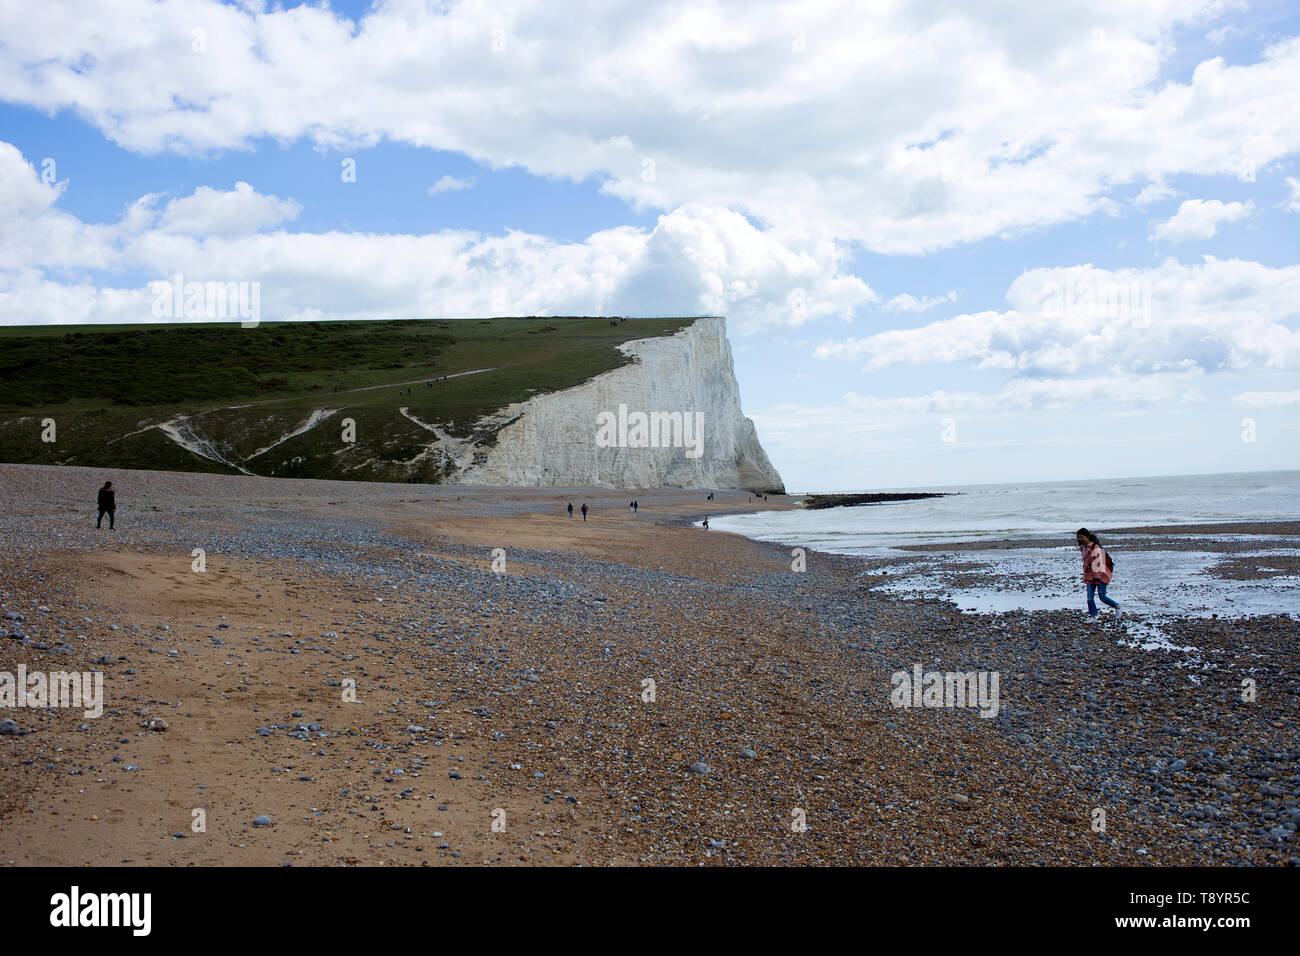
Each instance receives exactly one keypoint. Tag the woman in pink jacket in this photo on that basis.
(1097, 569)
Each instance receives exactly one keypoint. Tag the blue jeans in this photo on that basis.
(1100, 589)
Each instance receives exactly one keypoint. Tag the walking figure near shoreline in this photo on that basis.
(1098, 569)
(584, 512)
(107, 505)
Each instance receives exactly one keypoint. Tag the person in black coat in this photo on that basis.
(107, 505)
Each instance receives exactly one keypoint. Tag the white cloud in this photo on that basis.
(211, 212)
(1218, 315)
(1113, 392)
(22, 190)
(34, 232)
(906, 302)
(1293, 202)
(965, 122)
(1219, 34)
(451, 183)
(1266, 399)
(1198, 219)
(884, 441)
(705, 259)
(698, 259)
(1154, 192)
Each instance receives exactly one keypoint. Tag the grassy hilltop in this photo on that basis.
(235, 392)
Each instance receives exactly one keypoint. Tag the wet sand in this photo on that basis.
(1220, 539)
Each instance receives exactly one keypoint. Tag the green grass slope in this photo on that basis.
(234, 392)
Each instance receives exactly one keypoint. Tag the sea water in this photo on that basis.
(1150, 582)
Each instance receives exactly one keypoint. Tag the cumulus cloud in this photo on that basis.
(699, 259)
(1199, 219)
(211, 212)
(705, 259)
(966, 123)
(34, 232)
(449, 184)
(1218, 315)
(22, 190)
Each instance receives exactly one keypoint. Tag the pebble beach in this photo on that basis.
(417, 675)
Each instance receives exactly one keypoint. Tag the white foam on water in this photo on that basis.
(1146, 636)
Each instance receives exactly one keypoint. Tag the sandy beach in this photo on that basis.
(503, 713)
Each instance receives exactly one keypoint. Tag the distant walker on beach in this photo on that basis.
(1098, 568)
(107, 505)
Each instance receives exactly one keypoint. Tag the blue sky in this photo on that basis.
(881, 203)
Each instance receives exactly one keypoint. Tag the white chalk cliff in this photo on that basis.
(551, 440)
